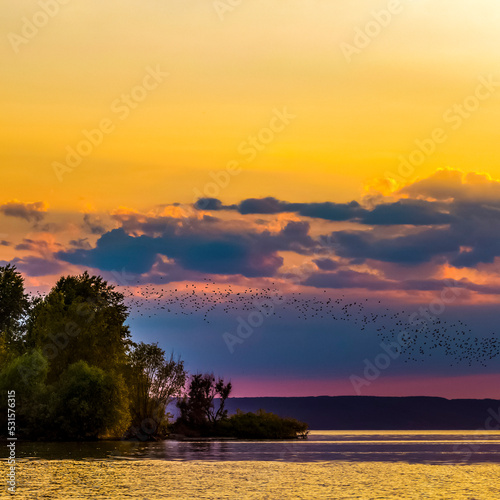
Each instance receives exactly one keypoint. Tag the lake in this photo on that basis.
(329, 465)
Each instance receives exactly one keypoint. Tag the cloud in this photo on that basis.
(329, 211)
(326, 264)
(193, 246)
(94, 224)
(80, 243)
(452, 184)
(31, 212)
(326, 210)
(403, 212)
(345, 279)
(262, 206)
(410, 232)
(472, 237)
(116, 250)
(416, 232)
(253, 206)
(348, 279)
(44, 247)
(407, 212)
(38, 266)
(208, 204)
(410, 249)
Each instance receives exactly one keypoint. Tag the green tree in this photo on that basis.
(82, 318)
(26, 375)
(153, 382)
(90, 403)
(197, 407)
(13, 308)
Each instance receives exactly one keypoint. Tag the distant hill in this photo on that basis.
(379, 413)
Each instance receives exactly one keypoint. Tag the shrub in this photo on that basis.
(264, 425)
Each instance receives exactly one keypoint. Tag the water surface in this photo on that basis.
(435, 447)
(329, 465)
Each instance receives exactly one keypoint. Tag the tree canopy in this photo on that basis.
(153, 382)
(199, 408)
(90, 402)
(81, 319)
(77, 374)
(13, 308)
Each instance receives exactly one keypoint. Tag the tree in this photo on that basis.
(26, 375)
(198, 408)
(154, 382)
(13, 307)
(91, 403)
(82, 318)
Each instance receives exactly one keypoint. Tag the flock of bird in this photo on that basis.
(430, 335)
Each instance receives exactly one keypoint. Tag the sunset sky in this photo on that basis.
(327, 148)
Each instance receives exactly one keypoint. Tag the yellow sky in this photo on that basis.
(226, 79)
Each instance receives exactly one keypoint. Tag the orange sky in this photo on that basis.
(225, 78)
(118, 115)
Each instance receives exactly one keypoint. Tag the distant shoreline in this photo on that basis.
(361, 413)
(419, 413)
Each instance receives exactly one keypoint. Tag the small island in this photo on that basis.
(78, 375)
(201, 416)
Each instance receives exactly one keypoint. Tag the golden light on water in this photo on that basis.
(255, 480)
(368, 465)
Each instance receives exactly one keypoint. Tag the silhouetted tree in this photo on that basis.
(197, 406)
(153, 382)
